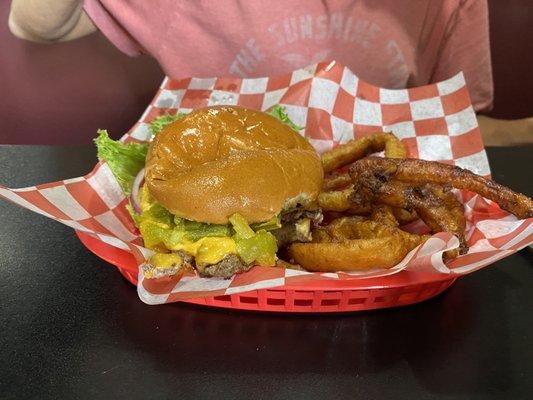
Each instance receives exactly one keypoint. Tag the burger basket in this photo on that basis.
(435, 122)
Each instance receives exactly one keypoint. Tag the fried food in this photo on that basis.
(339, 201)
(350, 255)
(337, 188)
(336, 182)
(352, 243)
(404, 216)
(456, 223)
(440, 210)
(384, 214)
(356, 227)
(359, 148)
(386, 193)
(415, 171)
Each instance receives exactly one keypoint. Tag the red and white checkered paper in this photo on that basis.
(436, 122)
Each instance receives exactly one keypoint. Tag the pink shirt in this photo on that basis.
(389, 43)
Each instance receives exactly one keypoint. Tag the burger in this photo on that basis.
(219, 190)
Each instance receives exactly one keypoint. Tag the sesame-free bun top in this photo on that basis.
(221, 160)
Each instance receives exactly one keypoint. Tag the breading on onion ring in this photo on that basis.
(380, 224)
(349, 255)
(350, 244)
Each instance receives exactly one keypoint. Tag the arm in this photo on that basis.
(49, 20)
(466, 48)
(500, 132)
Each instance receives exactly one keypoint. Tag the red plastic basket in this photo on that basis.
(403, 288)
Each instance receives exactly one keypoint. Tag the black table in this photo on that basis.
(72, 327)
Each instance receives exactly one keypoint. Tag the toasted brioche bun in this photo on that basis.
(222, 160)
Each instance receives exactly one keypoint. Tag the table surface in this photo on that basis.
(73, 327)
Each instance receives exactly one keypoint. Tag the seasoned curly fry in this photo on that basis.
(403, 216)
(453, 221)
(420, 171)
(359, 148)
(439, 209)
(384, 214)
(337, 199)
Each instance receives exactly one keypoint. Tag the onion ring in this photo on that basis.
(352, 243)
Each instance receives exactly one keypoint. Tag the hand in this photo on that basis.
(49, 21)
(500, 132)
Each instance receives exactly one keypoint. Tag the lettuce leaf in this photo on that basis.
(280, 113)
(158, 123)
(124, 160)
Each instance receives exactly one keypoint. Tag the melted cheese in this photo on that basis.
(165, 260)
(208, 250)
(145, 199)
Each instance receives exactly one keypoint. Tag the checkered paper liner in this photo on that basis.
(435, 122)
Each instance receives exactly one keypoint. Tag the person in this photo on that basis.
(389, 43)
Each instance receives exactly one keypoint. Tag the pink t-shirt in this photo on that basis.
(389, 43)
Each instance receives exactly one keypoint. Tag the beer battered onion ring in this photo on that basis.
(354, 244)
